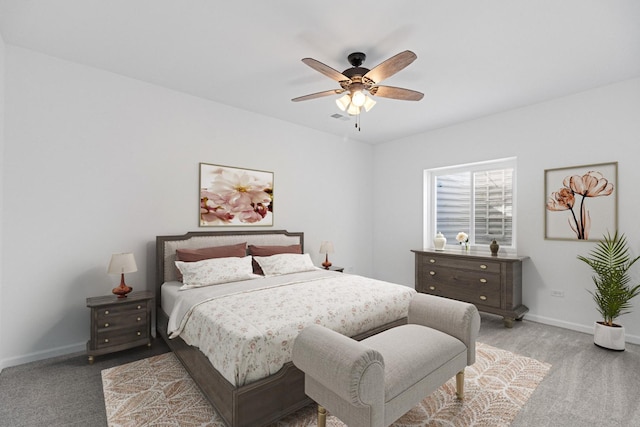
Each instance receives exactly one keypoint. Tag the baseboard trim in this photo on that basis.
(631, 339)
(41, 355)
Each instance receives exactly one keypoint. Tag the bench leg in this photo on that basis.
(322, 416)
(459, 385)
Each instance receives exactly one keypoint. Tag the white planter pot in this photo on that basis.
(610, 337)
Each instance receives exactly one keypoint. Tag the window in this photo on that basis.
(476, 198)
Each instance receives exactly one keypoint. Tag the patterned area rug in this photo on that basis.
(158, 392)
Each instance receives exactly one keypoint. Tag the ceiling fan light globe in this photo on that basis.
(353, 110)
(368, 103)
(343, 102)
(358, 99)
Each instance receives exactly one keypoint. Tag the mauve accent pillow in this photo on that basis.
(271, 250)
(194, 255)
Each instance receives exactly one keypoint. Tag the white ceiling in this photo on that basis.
(475, 58)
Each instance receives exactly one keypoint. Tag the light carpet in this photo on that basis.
(159, 392)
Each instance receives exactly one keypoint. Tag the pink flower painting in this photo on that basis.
(233, 196)
(573, 199)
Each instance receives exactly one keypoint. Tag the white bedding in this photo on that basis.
(247, 328)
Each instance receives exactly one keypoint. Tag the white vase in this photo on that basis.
(439, 242)
(611, 337)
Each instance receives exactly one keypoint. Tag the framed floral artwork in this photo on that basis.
(581, 202)
(235, 197)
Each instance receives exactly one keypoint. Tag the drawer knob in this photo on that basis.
(483, 280)
(432, 261)
(432, 288)
(106, 340)
(483, 298)
(106, 325)
(106, 312)
(482, 266)
(433, 273)
(138, 319)
(139, 333)
(139, 307)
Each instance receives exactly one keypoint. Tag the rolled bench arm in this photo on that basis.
(456, 318)
(347, 367)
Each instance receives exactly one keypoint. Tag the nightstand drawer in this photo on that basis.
(116, 336)
(105, 314)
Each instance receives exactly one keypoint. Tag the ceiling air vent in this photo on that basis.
(340, 117)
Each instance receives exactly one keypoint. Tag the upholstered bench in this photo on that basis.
(375, 381)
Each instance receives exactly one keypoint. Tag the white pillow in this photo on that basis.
(215, 271)
(284, 263)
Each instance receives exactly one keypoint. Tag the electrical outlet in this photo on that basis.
(557, 293)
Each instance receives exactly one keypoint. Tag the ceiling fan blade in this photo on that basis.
(325, 69)
(391, 66)
(396, 93)
(318, 95)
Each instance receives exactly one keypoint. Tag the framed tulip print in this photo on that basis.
(581, 202)
(235, 197)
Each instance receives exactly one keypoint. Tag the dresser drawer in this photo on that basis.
(460, 277)
(464, 264)
(487, 296)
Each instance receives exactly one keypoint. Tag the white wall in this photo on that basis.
(2, 62)
(597, 126)
(96, 163)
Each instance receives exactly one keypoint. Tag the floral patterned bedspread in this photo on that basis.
(248, 335)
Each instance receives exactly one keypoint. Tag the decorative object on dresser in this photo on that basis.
(494, 247)
(610, 262)
(439, 242)
(120, 264)
(492, 283)
(119, 323)
(232, 196)
(326, 248)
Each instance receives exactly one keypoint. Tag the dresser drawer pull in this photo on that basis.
(106, 325)
(138, 319)
(432, 288)
(139, 307)
(433, 273)
(106, 312)
(483, 280)
(483, 267)
(432, 261)
(106, 340)
(483, 298)
(139, 333)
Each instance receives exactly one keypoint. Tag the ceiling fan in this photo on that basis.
(357, 81)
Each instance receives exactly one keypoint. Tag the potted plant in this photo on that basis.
(610, 262)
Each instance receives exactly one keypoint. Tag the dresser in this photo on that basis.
(492, 283)
(119, 323)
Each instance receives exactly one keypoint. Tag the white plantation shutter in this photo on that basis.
(476, 199)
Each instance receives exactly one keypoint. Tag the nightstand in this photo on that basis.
(335, 268)
(119, 323)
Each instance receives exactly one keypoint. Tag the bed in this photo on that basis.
(241, 397)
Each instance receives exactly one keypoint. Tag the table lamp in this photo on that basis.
(120, 264)
(326, 248)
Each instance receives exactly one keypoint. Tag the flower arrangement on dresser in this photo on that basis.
(463, 239)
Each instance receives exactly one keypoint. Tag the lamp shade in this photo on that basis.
(326, 247)
(122, 263)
